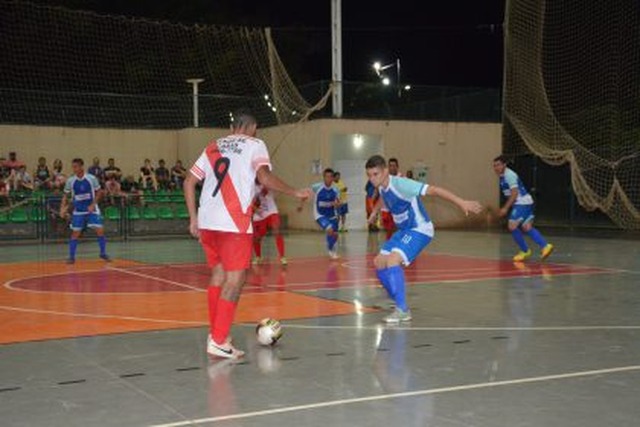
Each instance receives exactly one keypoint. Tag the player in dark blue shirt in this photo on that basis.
(85, 193)
(325, 200)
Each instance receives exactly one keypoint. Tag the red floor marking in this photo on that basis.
(321, 274)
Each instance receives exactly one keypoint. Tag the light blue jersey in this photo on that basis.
(324, 200)
(509, 180)
(83, 193)
(402, 198)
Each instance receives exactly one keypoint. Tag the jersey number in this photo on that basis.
(220, 170)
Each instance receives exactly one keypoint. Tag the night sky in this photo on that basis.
(453, 42)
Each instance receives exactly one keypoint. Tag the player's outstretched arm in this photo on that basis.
(64, 206)
(510, 201)
(466, 206)
(273, 182)
(376, 209)
(189, 188)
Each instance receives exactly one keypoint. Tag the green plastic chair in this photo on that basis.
(149, 213)
(4, 217)
(112, 213)
(177, 196)
(182, 212)
(133, 213)
(38, 214)
(19, 216)
(165, 212)
(163, 196)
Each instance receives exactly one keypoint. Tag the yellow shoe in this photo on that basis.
(521, 256)
(546, 251)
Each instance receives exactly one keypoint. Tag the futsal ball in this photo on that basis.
(268, 331)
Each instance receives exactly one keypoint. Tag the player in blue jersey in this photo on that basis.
(414, 228)
(519, 207)
(325, 201)
(85, 193)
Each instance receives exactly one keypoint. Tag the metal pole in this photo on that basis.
(336, 56)
(196, 117)
(399, 88)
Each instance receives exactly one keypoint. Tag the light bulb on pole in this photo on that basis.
(379, 68)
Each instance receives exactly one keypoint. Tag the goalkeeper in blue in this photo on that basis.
(414, 229)
(519, 207)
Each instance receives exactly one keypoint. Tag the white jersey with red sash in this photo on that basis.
(228, 167)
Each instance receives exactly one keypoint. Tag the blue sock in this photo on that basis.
(383, 276)
(537, 237)
(519, 239)
(102, 242)
(73, 245)
(395, 276)
(331, 241)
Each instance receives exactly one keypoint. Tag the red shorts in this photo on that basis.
(370, 202)
(269, 223)
(387, 220)
(233, 250)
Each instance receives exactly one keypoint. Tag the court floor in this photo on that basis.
(492, 343)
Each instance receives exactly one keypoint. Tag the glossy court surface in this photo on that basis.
(492, 343)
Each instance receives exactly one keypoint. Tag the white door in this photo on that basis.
(354, 176)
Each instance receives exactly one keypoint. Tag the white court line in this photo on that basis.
(10, 284)
(423, 280)
(538, 263)
(98, 316)
(468, 328)
(160, 279)
(350, 265)
(325, 282)
(441, 390)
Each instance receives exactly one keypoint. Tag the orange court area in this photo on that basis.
(47, 300)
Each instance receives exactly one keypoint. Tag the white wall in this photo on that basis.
(458, 155)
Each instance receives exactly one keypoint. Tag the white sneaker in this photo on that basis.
(210, 340)
(256, 261)
(398, 316)
(226, 350)
(334, 254)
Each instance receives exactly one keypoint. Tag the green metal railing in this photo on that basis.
(36, 216)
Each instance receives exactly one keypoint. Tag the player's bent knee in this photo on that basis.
(394, 259)
(380, 261)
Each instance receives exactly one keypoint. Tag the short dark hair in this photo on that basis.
(336, 173)
(328, 170)
(501, 158)
(376, 161)
(242, 118)
(78, 160)
(393, 159)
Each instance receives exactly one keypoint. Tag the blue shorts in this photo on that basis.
(343, 209)
(79, 222)
(521, 214)
(408, 243)
(325, 223)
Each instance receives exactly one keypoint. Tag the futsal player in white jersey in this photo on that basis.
(229, 167)
(402, 196)
(266, 217)
(519, 207)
